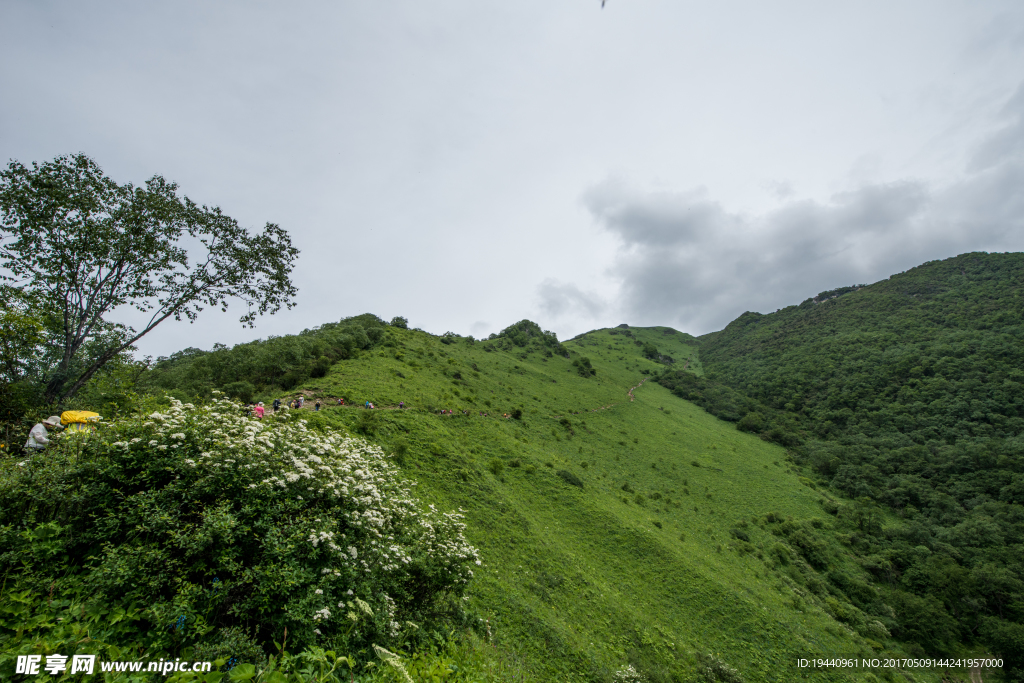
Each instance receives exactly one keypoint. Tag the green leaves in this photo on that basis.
(242, 672)
(84, 245)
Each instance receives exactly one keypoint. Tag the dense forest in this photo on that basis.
(905, 394)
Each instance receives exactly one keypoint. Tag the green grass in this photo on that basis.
(578, 582)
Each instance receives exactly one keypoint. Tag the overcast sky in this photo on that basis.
(469, 164)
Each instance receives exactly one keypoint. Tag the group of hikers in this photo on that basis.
(258, 410)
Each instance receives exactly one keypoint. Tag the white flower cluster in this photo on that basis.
(629, 675)
(370, 524)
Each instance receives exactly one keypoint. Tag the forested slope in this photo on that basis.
(910, 393)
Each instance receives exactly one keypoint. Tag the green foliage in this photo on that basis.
(22, 332)
(399, 322)
(1007, 641)
(242, 390)
(714, 397)
(229, 529)
(905, 394)
(267, 365)
(81, 245)
(570, 478)
(584, 367)
(528, 335)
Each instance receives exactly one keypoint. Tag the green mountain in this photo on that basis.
(615, 530)
(909, 394)
(618, 531)
(839, 480)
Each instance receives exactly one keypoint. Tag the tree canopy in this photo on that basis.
(82, 245)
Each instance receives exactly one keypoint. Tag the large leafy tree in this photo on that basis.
(82, 245)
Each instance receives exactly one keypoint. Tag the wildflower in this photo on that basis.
(364, 607)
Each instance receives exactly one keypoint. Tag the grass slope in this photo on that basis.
(612, 529)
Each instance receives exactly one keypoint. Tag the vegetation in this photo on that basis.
(266, 367)
(593, 521)
(77, 246)
(223, 533)
(692, 529)
(905, 394)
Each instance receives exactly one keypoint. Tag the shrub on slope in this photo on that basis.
(217, 523)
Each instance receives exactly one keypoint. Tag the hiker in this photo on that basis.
(366, 405)
(341, 401)
(316, 407)
(37, 438)
(401, 404)
(302, 400)
(277, 404)
(259, 410)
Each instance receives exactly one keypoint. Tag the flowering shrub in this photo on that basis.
(629, 675)
(216, 521)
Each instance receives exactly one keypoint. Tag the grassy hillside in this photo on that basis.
(618, 524)
(614, 531)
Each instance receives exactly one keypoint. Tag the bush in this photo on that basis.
(401, 449)
(243, 391)
(570, 478)
(583, 367)
(400, 322)
(252, 525)
(751, 422)
(366, 422)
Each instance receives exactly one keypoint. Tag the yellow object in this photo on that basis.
(78, 417)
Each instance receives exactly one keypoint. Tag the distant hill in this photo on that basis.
(936, 353)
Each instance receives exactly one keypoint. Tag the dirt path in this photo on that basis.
(976, 674)
(331, 402)
(630, 392)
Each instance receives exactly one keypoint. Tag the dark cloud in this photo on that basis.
(686, 260)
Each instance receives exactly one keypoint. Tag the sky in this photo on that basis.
(470, 164)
